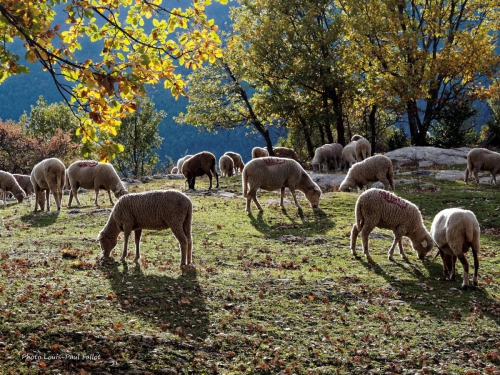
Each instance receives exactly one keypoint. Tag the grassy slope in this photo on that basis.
(277, 292)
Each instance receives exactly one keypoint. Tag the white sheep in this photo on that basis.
(226, 165)
(363, 149)
(356, 137)
(181, 161)
(337, 155)
(48, 176)
(199, 164)
(320, 160)
(349, 154)
(259, 152)
(286, 152)
(375, 168)
(455, 230)
(379, 208)
(174, 170)
(24, 181)
(152, 210)
(8, 184)
(273, 173)
(482, 159)
(90, 174)
(237, 161)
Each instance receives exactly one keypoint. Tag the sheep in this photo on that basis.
(320, 160)
(481, 159)
(382, 209)
(226, 165)
(25, 182)
(90, 174)
(8, 184)
(48, 176)
(363, 149)
(237, 161)
(375, 168)
(286, 152)
(175, 170)
(152, 210)
(181, 161)
(273, 173)
(455, 230)
(356, 137)
(349, 154)
(198, 165)
(259, 152)
(337, 155)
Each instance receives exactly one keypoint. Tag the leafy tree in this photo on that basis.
(427, 54)
(139, 133)
(141, 43)
(490, 133)
(45, 120)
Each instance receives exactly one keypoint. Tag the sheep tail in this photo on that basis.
(187, 222)
(468, 169)
(244, 183)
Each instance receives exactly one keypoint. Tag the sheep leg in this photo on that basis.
(178, 233)
(110, 199)
(137, 238)
(126, 235)
(209, 174)
(476, 175)
(476, 265)
(47, 199)
(354, 238)
(252, 195)
(282, 204)
(365, 232)
(401, 250)
(292, 190)
(465, 265)
(397, 241)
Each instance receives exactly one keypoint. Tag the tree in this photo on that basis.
(45, 120)
(141, 43)
(427, 54)
(139, 133)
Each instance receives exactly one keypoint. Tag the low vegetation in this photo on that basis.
(272, 293)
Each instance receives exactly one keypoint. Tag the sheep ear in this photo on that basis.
(424, 243)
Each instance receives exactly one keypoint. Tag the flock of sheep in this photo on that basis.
(453, 230)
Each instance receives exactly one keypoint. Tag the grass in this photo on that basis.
(276, 292)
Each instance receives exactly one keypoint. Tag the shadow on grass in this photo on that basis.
(174, 304)
(40, 219)
(434, 295)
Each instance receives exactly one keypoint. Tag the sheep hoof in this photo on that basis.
(391, 258)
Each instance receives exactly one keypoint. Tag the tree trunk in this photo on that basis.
(372, 120)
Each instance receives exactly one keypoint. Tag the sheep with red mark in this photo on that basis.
(274, 173)
(198, 165)
(379, 208)
(152, 210)
(375, 168)
(455, 230)
(8, 183)
(482, 159)
(47, 177)
(90, 174)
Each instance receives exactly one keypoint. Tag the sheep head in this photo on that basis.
(120, 193)
(107, 243)
(313, 195)
(20, 196)
(422, 245)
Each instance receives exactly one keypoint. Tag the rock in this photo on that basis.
(428, 156)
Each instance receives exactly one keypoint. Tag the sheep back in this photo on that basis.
(286, 152)
(259, 152)
(374, 168)
(482, 159)
(49, 176)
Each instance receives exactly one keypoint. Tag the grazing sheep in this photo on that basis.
(237, 161)
(320, 160)
(175, 170)
(379, 208)
(337, 155)
(363, 149)
(349, 154)
(455, 230)
(198, 165)
(226, 166)
(152, 210)
(48, 176)
(481, 159)
(286, 152)
(25, 182)
(90, 174)
(181, 161)
(375, 168)
(259, 152)
(273, 173)
(8, 184)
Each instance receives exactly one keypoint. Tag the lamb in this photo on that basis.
(198, 165)
(455, 230)
(379, 208)
(181, 161)
(8, 184)
(363, 149)
(90, 174)
(226, 165)
(237, 161)
(481, 159)
(286, 152)
(259, 152)
(349, 154)
(25, 182)
(150, 210)
(273, 173)
(375, 168)
(48, 176)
